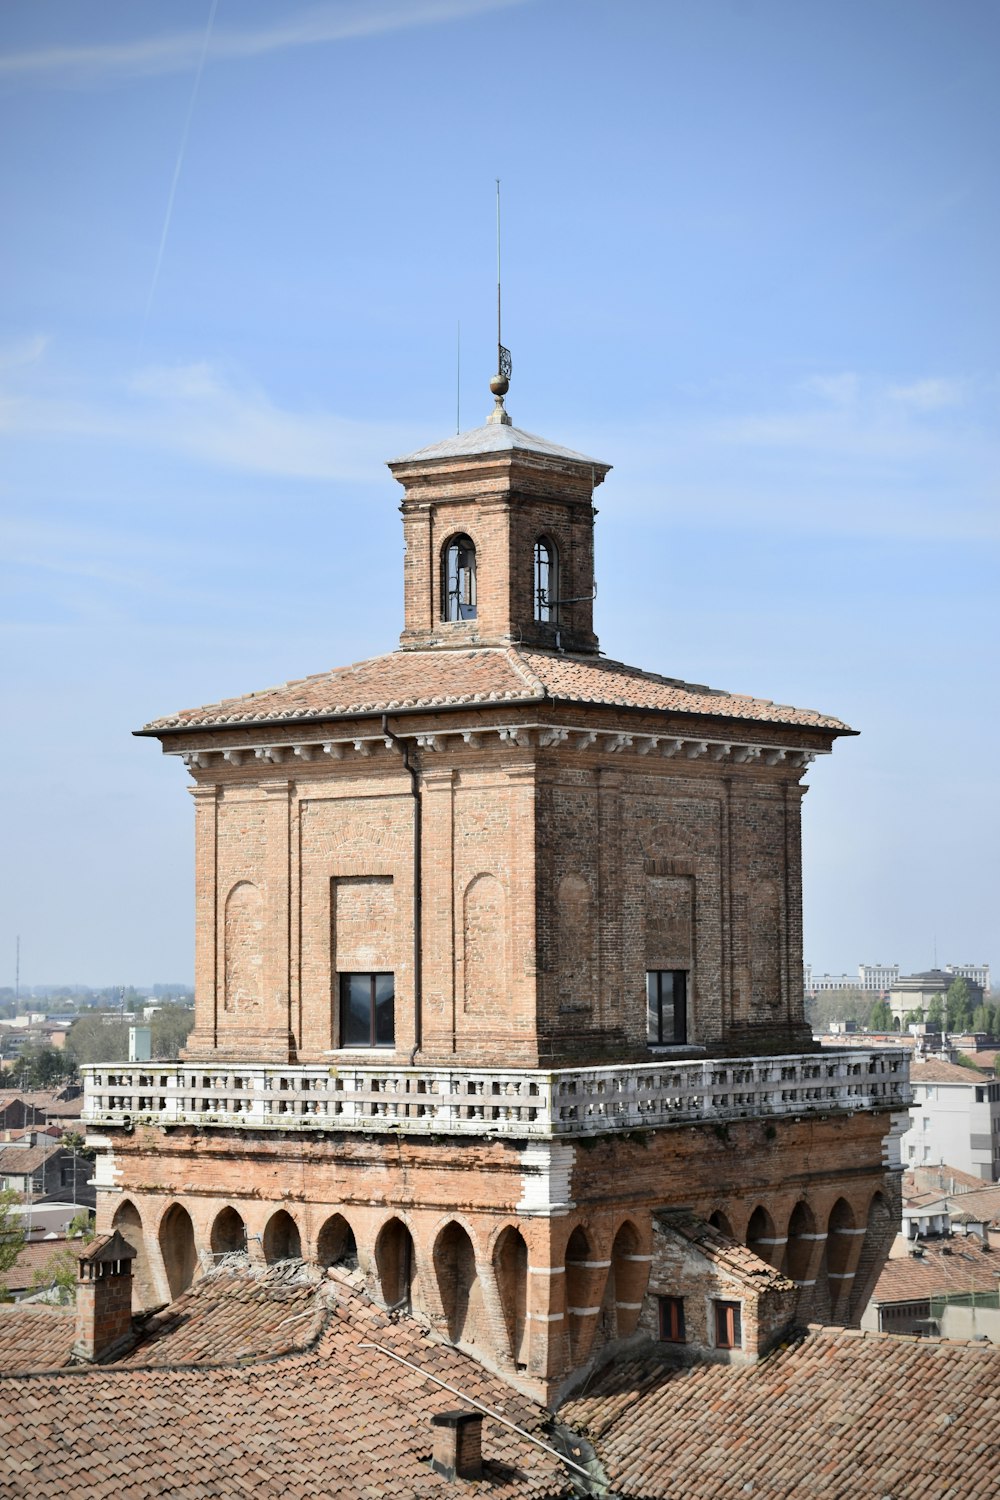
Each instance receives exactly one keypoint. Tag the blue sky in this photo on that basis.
(750, 253)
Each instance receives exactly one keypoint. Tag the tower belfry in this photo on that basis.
(498, 964)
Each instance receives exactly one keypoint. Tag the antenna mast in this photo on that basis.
(500, 384)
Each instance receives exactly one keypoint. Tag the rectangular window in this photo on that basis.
(367, 1010)
(666, 1007)
(728, 1325)
(672, 1320)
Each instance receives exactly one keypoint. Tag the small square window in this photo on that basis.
(367, 1010)
(672, 1320)
(728, 1325)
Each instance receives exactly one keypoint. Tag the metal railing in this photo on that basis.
(493, 1101)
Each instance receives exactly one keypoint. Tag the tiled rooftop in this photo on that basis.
(936, 1070)
(837, 1416)
(340, 1418)
(35, 1256)
(17, 1161)
(485, 677)
(34, 1336)
(730, 1255)
(954, 1266)
(233, 1317)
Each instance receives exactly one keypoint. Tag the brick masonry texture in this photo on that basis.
(568, 845)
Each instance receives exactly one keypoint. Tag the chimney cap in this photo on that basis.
(107, 1248)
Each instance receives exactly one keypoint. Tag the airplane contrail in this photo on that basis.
(179, 162)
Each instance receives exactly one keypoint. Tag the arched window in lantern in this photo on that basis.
(546, 586)
(458, 581)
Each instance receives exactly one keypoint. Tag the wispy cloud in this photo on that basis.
(26, 351)
(179, 51)
(842, 454)
(929, 395)
(199, 411)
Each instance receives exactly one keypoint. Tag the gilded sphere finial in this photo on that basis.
(499, 385)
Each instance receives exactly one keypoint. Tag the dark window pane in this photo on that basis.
(356, 1018)
(385, 1027)
(666, 1007)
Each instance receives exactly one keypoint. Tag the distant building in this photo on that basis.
(914, 993)
(978, 973)
(955, 1119)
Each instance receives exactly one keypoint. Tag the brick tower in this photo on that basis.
(499, 969)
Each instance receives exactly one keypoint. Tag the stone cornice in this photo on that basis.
(300, 749)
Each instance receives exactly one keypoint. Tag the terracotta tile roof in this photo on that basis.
(340, 1418)
(17, 1161)
(959, 1266)
(34, 1336)
(487, 676)
(838, 1414)
(729, 1255)
(941, 1179)
(34, 1257)
(936, 1070)
(229, 1316)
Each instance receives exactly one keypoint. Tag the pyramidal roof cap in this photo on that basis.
(496, 438)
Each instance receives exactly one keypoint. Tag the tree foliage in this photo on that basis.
(60, 1270)
(11, 1235)
(102, 1037)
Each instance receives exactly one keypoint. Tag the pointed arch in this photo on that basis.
(627, 1281)
(228, 1234)
(180, 1259)
(128, 1221)
(282, 1240)
(762, 1237)
(458, 1284)
(719, 1221)
(336, 1244)
(583, 1294)
(801, 1242)
(840, 1244)
(396, 1265)
(510, 1270)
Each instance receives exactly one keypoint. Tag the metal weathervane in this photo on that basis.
(500, 384)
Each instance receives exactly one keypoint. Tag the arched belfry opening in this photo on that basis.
(396, 1265)
(458, 579)
(229, 1233)
(546, 585)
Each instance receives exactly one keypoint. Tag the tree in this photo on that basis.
(60, 1270)
(880, 1016)
(959, 1004)
(98, 1037)
(42, 1066)
(935, 1011)
(11, 1236)
(171, 1026)
(912, 1018)
(982, 1020)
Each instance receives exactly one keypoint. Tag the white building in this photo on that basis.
(978, 973)
(955, 1119)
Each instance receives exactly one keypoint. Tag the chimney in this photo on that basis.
(458, 1444)
(104, 1299)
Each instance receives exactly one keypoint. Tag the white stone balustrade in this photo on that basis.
(493, 1101)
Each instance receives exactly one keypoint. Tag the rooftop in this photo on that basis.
(483, 677)
(837, 1413)
(497, 437)
(936, 1070)
(953, 1266)
(328, 1411)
